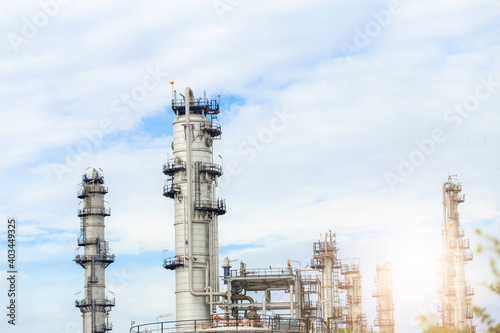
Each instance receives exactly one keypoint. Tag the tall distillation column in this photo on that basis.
(192, 180)
(455, 292)
(95, 307)
(383, 293)
(325, 260)
(355, 319)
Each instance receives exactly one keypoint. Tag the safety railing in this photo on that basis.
(261, 272)
(170, 190)
(94, 211)
(173, 166)
(214, 129)
(211, 168)
(98, 178)
(469, 291)
(270, 323)
(196, 105)
(97, 302)
(464, 243)
(217, 206)
(325, 247)
(173, 263)
(84, 190)
(350, 268)
(106, 258)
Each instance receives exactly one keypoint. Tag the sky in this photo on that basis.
(336, 115)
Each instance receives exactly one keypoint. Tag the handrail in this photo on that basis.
(211, 168)
(94, 211)
(89, 177)
(271, 323)
(173, 166)
(83, 190)
(261, 272)
(196, 102)
(218, 205)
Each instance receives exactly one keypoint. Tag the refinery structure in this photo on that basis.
(456, 293)
(95, 306)
(225, 296)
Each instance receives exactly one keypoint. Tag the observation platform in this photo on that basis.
(214, 206)
(212, 169)
(198, 106)
(170, 190)
(101, 211)
(102, 305)
(85, 191)
(104, 259)
(93, 178)
(213, 129)
(172, 167)
(172, 263)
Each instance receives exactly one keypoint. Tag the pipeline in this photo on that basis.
(187, 102)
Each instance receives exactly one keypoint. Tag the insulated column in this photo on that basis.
(192, 179)
(95, 307)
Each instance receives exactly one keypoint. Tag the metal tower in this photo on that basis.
(191, 183)
(95, 307)
(383, 293)
(355, 319)
(455, 292)
(325, 260)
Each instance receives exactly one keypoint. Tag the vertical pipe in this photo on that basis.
(444, 263)
(189, 203)
(264, 303)
(187, 102)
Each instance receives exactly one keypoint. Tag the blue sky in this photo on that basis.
(337, 115)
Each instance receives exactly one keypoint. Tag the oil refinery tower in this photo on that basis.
(325, 260)
(383, 292)
(191, 183)
(455, 292)
(355, 319)
(95, 307)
